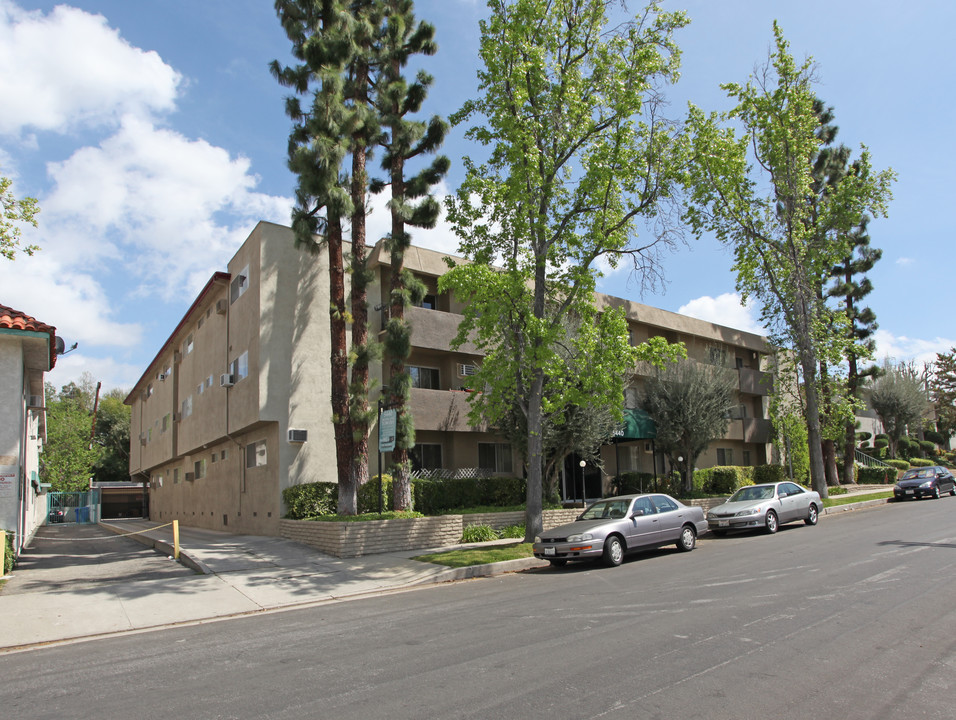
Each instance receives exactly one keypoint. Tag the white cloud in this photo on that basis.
(153, 201)
(70, 367)
(725, 309)
(441, 238)
(900, 348)
(905, 262)
(69, 69)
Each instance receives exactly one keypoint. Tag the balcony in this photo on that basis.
(754, 382)
(435, 330)
(757, 430)
(444, 410)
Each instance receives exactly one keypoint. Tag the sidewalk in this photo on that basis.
(234, 575)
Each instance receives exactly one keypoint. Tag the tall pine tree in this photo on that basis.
(405, 139)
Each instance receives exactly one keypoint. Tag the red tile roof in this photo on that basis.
(15, 320)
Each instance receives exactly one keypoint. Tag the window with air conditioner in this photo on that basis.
(256, 454)
(239, 285)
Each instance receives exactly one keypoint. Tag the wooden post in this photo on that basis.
(176, 539)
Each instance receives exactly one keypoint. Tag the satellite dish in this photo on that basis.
(60, 345)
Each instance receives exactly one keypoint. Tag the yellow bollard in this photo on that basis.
(176, 539)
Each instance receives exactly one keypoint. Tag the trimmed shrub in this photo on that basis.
(512, 531)
(8, 554)
(836, 491)
(863, 436)
(769, 473)
(311, 500)
(435, 496)
(921, 462)
(478, 533)
(899, 464)
(723, 479)
(934, 437)
(881, 442)
(907, 447)
(875, 475)
(928, 447)
(368, 495)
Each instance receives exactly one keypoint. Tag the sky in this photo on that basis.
(154, 138)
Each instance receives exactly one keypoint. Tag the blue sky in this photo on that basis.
(154, 138)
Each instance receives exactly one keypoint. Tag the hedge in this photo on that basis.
(8, 555)
(921, 462)
(899, 464)
(431, 497)
(723, 479)
(769, 474)
(875, 475)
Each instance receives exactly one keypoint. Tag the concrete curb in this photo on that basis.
(836, 509)
(161, 546)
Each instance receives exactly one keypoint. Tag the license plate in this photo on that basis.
(549, 551)
(910, 492)
(723, 523)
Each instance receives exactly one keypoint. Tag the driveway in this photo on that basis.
(75, 557)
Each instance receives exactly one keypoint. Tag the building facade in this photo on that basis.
(27, 351)
(236, 405)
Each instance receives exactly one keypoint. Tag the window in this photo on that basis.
(239, 368)
(222, 455)
(166, 419)
(256, 454)
(717, 355)
(239, 285)
(423, 377)
(725, 456)
(175, 476)
(187, 407)
(188, 345)
(426, 456)
(199, 467)
(215, 457)
(199, 388)
(429, 302)
(495, 457)
(664, 504)
(149, 390)
(209, 381)
(746, 460)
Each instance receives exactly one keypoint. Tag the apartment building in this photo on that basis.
(235, 406)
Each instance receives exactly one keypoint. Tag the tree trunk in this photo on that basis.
(342, 429)
(849, 454)
(817, 472)
(829, 463)
(534, 506)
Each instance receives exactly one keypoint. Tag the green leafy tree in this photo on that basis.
(14, 212)
(691, 404)
(112, 436)
(899, 399)
(755, 192)
(943, 392)
(405, 139)
(68, 455)
(570, 110)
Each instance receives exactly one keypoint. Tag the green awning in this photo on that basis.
(637, 426)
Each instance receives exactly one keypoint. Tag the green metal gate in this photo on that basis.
(73, 507)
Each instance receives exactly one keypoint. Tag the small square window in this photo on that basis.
(188, 345)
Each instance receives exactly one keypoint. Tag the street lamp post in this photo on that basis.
(582, 464)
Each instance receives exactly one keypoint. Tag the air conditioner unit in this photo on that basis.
(465, 370)
(648, 447)
(190, 477)
(35, 401)
(227, 380)
(298, 436)
(221, 306)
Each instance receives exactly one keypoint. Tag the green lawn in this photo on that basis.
(847, 499)
(478, 556)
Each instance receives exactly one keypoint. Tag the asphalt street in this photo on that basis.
(852, 619)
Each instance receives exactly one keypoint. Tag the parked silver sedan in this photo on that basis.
(612, 527)
(765, 506)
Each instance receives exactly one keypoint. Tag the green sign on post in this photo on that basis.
(386, 431)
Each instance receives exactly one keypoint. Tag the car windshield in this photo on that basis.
(606, 509)
(751, 494)
(920, 473)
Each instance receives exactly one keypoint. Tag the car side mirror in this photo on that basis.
(637, 514)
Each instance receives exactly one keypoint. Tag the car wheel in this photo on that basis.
(687, 540)
(812, 515)
(719, 533)
(771, 522)
(936, 493)
(558, 563)
(613, 551)
(952, 490)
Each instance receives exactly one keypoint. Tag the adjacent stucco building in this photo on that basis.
(27, 351)
(235, 406)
